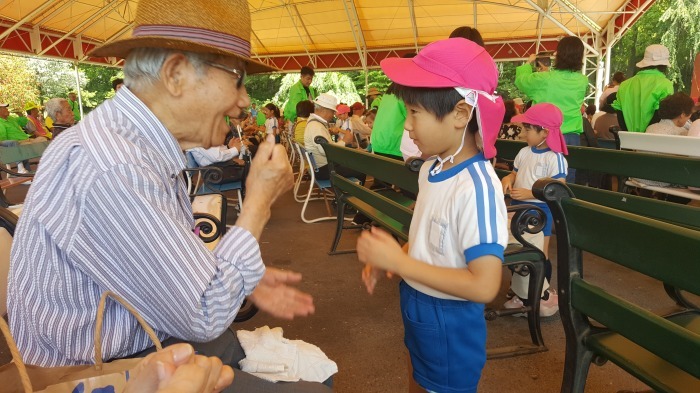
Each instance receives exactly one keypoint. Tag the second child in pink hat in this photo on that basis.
(542, 158)
(458, 231)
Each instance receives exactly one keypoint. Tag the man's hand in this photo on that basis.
(378, 249)
(532, 58)
(348, 136)
(176, 369)
(274, 296)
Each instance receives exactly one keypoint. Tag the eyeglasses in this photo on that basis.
(240, 74)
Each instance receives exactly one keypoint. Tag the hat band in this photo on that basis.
(217, 39)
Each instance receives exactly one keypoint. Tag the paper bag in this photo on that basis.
(98, 378)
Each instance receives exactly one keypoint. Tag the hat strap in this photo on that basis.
(216, 39)
(451, 158)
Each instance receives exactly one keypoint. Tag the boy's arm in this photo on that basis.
(478, 282)
(508, 182)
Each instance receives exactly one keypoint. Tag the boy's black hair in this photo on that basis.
(306, 70)
(469, 33)
(591, 109)
(116, 83)
(619, 77)
(305, 108)
(569, 54)
(372, 112)
(675, 105)
(535, 126)
(273, 108)
(510, 110)
(440, 102)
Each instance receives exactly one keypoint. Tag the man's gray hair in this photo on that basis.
(142, 65)
(53, 106)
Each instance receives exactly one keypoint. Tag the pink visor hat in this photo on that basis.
(546, 116)
(341, 109)
(463, 65)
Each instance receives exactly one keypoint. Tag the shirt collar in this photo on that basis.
(319, 118)
(150, 128)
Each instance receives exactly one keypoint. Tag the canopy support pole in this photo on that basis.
(77, 88)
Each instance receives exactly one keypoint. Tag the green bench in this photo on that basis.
(675, 169)
(391, 210)
(660, 350)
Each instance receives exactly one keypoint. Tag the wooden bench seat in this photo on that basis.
(660, 350)
(13, 182)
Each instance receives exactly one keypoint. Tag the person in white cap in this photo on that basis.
(638, 97)
(317, 125)
(109, 210)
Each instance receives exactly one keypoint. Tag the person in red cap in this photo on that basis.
(543, 157)
(358, 125)
(458, 231)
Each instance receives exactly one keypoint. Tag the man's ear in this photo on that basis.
(174, 72)
(461, 114)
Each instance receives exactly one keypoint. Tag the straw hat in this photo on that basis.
(373, 92)
(219, 27)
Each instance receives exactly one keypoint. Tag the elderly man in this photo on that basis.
(300, 91)
(74, 105)
(58, 110)
(317, 125)
(118, 172)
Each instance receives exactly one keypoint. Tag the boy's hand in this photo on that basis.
(378, 249)
(370, 276)
(507, 185)
(521, 194)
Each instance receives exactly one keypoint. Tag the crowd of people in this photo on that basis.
(119, 169)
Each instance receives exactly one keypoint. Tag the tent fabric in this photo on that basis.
(330, 34)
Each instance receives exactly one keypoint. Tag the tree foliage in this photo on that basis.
(262, 88)
(18, 84)
(673, 23)
(98, 81)
(337, 84)
(54, 78)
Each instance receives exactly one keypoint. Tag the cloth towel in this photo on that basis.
(272, 357)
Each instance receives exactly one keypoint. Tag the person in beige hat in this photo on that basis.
(638, 97)
(109, 209)
(375, 97)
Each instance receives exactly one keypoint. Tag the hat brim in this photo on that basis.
(121, 49)
(407, 73)
(645, 63)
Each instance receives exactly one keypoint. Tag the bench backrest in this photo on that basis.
(22, 152)
(625, 163)
(659, 250)
(668, 144)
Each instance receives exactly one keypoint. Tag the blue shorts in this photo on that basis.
(446, 340)
(547, 230)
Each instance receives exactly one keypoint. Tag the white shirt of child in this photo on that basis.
(533, 164)
(460, 215)
(271, 126)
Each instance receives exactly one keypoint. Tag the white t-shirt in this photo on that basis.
(271, 126)
(666, 127)
(532, 164)
(694, 129)
(408, 147)
(206, 157)
(460, 215)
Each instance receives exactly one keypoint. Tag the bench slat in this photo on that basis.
(14, 181)
(389, 208)
(374, 165)
(674, 213)
(676, 344)
(685, 171)
(641, 243)
(386, 222)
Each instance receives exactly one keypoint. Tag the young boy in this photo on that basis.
(458, 231)
(543, 157)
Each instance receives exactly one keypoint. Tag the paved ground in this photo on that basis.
(363, 333)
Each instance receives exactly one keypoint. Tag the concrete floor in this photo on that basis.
(364, 334)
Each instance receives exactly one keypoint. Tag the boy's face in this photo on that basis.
(534, 137)
(369, 120)
(342, 116)
(432, 136)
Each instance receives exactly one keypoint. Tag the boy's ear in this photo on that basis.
(461, 114)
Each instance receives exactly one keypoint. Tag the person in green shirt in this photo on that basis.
(300, 91)
(375, 97)
(638, 97)
(564, 86)
(74, 105)
(387, 129)
(9, 129)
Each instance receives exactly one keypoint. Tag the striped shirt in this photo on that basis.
(108, 210)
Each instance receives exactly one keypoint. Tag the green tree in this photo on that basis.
(98, 83)
(338, 84)
(55, 78)
(506, 81)
(18, 84)
(262, 88)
